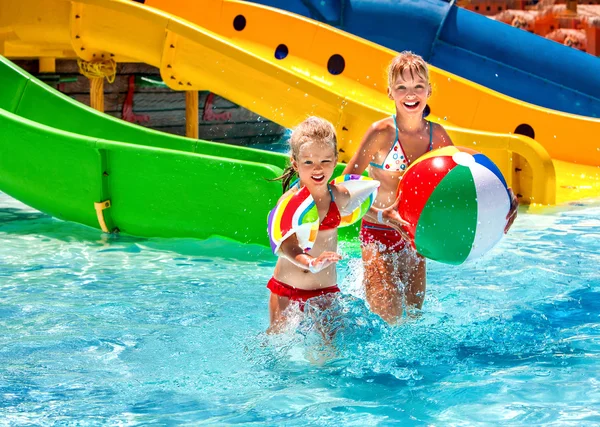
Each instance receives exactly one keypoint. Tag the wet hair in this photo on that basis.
(412, 62)
(313, 129)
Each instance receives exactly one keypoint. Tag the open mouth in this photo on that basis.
(318, 178)
(411, 105)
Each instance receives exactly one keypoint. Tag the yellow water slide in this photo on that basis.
(286, 67)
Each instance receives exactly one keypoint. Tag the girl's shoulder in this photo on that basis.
(384, 125)
(341, 196)
(381, 132)
(440, 137)
(340, 193)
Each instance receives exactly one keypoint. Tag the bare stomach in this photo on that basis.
(386, 195)
(300, 278)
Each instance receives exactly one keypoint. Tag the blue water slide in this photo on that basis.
(506, 59)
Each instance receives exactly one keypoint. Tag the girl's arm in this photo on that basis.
(291, 250)
(391, 217)
(367, 149)
(512, 213)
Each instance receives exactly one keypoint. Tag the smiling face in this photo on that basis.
(314, 152)
(409, 92)
(408, 83)
(315, 163)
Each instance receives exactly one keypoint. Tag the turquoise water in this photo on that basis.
(114, 330)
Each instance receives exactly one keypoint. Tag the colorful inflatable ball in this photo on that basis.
(456, 201)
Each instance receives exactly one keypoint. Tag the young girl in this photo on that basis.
(301, 274)
(388, 148)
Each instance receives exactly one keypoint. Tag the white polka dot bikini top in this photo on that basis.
(396, 160)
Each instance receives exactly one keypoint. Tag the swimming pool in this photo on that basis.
(117, 330)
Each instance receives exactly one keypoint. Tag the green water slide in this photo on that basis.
(74, 163)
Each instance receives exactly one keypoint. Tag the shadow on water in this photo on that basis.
(22, 222)
(9, 215)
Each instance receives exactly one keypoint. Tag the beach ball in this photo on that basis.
(456, 201)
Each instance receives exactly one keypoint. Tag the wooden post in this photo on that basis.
(191, 114)
(47, 65)
(97, 93)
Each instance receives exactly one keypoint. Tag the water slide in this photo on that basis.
(77, 164)
(284, 67)
(67, 163)
(456, 101)
(506, 59)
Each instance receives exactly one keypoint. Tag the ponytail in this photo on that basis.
(288, 176)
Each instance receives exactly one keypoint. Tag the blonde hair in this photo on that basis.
(412, 62)
(313, 129)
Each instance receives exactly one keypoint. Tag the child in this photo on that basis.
(388, 147)
(301, 274)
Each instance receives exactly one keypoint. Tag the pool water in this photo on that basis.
(116, 330)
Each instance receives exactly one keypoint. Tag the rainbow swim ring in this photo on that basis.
(297, 212)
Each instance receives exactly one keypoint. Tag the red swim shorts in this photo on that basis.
(377, 233)
(295, 294)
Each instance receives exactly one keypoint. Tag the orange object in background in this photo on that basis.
(568, 22)
(592, 32)
(546, 22)
(569, 37)
(487, 7)
(524, 19)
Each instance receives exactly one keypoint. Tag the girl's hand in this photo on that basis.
(512, 213)
(323, 261)
(391, 217)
